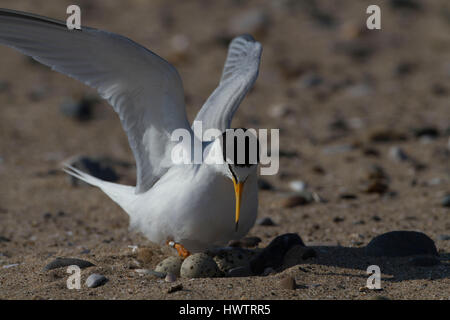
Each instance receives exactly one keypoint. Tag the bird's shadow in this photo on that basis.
(393, 269)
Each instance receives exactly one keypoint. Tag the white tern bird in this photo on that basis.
(192, 207)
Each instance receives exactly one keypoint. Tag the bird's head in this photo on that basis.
(239, 149)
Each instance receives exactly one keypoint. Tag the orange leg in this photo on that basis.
(182, 251)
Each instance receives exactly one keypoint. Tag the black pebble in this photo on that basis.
(401, 244)
(65, 262)
(266, 221)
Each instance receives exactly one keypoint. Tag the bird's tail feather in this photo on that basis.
(121, 194)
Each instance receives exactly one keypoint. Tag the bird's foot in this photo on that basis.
(182, 251)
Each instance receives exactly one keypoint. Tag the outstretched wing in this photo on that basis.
(144, 89)
(239, 74)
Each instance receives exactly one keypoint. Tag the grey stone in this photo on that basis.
(96, 280)
(65, 262)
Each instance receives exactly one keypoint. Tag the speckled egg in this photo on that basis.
(170, 265)
(200, 265)
(230, 258)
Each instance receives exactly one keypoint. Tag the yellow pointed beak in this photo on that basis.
(238, 186)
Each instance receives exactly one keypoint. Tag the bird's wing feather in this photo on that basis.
(144, 89)
(238, 76)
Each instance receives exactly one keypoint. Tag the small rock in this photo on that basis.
(298, 186)
(65, 262)
(273, 255)
(429, 132)
(151, 273)
(170, 265)
(280, 111)
(266, 221)
(170, 277)
(264, 185)
(385, 135)
(338, 219)
(376, 186)
(424, 261)
(400, 244)
(446, 201)
(310, 80)
(10, 265)
(348, 196)
(96, 280)
(175, 288)
(199, 265)
(4, 239)
(444, 237)
(397, 154)
(297, 199)
(287, 283)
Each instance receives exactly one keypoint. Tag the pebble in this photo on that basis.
(400, 244)
(10, 265)
(397, 154)
(170, 265)
(446, 201)
(199, 265)
(298, 185)
(175, 288)
(385, 135)
(376, 186)
(429, 132)
(151, 273)
(4, 239)
(273, 255)
(96, 280)
(264, 185)
(266, 221)
(287, 283)
(444, 237)
(65, 262)
(297, 199)
(280, 111)
(424, 261)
